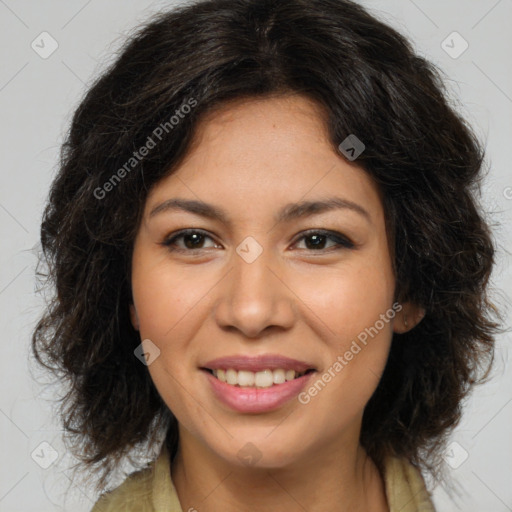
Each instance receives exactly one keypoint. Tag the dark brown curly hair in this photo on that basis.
(425, 159)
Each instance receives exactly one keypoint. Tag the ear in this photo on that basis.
(408, 317)
(134, 318)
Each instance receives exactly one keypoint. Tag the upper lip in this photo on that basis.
(258, 363)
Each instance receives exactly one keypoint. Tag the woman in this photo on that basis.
(269, 263)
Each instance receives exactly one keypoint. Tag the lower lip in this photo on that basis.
(256, 400)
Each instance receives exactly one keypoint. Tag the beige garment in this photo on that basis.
(152, 489)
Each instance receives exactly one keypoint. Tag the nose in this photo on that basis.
(254, 297)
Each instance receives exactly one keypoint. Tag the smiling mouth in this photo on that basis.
(261, 379)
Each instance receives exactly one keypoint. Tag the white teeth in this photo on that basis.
(246, 378)
(279, 376)
(232, 377)
(262, 379)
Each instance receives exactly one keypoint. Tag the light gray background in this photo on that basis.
(37, 97)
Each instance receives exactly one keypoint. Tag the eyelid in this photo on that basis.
(169, 239)
(341, 240)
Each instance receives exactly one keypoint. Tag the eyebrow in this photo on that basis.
(289, 212)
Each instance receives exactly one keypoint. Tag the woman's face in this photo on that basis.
(268, 281)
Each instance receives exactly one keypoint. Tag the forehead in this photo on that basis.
(256, 153)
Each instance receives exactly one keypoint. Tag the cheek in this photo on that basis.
(356, 310)
(159, 305)
(349, 300)
(171, 304)
(164, 298)
(165, 306)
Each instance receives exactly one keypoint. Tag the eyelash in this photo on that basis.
(342, 242)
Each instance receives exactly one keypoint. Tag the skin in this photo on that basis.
(250, 158)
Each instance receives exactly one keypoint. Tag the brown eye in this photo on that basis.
(316, 240)
(192, 239)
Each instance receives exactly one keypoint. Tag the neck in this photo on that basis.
(330, 480)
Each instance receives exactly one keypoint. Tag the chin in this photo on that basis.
(261, 450)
